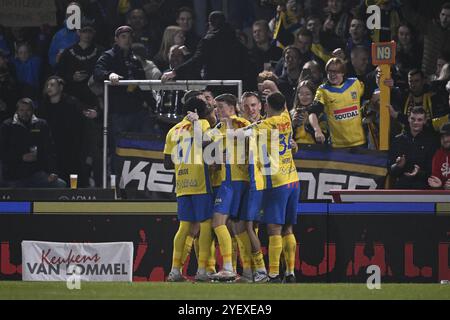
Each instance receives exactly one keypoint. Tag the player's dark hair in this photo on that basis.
(195, 104)
(228, 98)
(276, 101)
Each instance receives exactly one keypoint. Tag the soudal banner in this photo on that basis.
(55, 261)
(320, 169)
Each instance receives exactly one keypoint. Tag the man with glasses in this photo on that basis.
(340, 99)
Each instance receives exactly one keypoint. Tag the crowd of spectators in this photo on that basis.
(311, 51)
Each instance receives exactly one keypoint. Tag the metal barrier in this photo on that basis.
(156, 85)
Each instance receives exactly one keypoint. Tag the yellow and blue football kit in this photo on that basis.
(234, 172)
(193, 189)
(276, 173)
(342, 105)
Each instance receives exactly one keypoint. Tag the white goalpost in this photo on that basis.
(155, 85)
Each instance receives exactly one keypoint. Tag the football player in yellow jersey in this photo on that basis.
(251, 107)
(340, 100)
(282, 189)
(183, 152)
(232, 189)
(192, 239)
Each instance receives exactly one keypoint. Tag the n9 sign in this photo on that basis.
(383, 53)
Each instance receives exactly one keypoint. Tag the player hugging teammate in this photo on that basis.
(233, 173)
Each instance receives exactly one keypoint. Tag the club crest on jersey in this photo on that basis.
(354, 95)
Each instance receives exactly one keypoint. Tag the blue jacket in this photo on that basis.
(63, 39)
(29, 71)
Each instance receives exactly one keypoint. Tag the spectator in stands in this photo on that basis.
(288, 81)
(127, 113)
(303, 132)
(28, 70)
(328, 39)
(419, 94)
(336, 9)
(440, 168)
(371, 110)
(438, 84)
(409, 53)
(173, 35)
(26, 150)
(142, 33)
(358, 36)
(303, 42)
(161, 13)
(264, 53)
(219, 53)
(186, 20)
(4, 46)
(63, 39)
(77, 64)
(321, 44)
(340, 99)
(313, 72)
(151, 70)
(65, 116)
(411, 153)
(436, 39)
(358, 66)
(9, 91)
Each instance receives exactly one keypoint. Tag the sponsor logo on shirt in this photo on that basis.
(346, 113)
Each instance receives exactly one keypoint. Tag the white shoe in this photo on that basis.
(260, 277)
(202, 277)
(175, 277)
(224, 275)
(244, 279)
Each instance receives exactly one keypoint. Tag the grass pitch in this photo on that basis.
(218, 291)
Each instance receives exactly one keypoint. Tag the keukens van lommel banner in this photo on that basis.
(320, 169)
(56, 261)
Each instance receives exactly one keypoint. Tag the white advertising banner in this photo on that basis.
(55, 261)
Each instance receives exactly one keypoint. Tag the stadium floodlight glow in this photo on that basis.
(156, 85)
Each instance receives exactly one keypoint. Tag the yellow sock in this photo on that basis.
(245, 250)
(275, 249)
(187, 249)
(204, 243)
(289, 249)
(225, 244)
(196, 248)
(258, 261)
(178, 243)
(211, 264)
(256, 231)
(234, 249)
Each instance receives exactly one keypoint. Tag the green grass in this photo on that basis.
(218, 291)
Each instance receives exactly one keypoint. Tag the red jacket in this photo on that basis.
(441, 165)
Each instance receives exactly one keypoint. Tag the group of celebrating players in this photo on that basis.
(226, 199)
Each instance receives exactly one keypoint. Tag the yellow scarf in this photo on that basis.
(123, 6)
